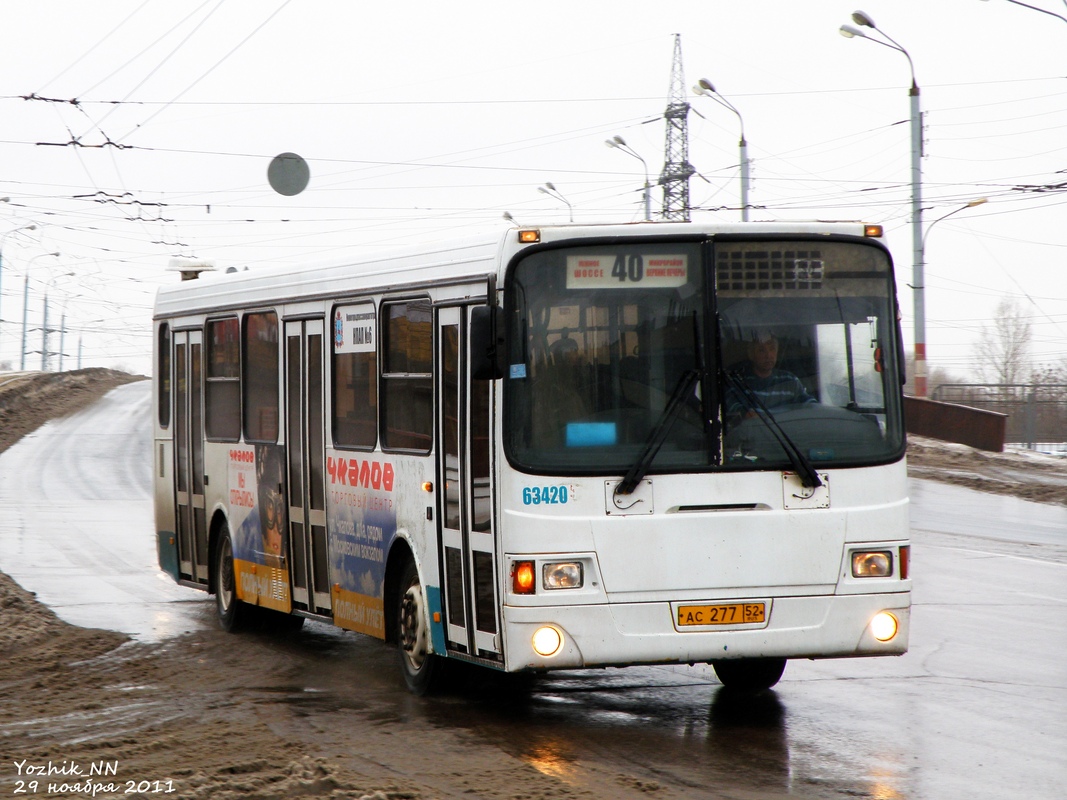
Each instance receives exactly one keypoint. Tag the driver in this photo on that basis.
(559, 400)
(774, 387)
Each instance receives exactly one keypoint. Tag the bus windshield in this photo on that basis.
(786, 344)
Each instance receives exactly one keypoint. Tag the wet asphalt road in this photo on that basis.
(975, 710)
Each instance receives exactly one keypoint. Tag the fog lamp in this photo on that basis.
(878, 564)
(547, 641)
(884, 626)
(564, 575)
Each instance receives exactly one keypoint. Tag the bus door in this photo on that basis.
(466, 540)
(308, 556)
(189, 456)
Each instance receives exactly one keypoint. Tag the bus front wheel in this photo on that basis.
(423, 671)
(749, 675)
(233, 615)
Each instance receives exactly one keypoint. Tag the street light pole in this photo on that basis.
(62, 335)
(44, 334)
(1042, 10)
(918, 279)
(978, 202)
(45, 331)
(25, 306)
(705, 88)
(619, 143)
(552, 191)
(2, 240)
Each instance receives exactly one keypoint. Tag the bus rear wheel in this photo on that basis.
(233, 615)
(749, 675)
(423, 671)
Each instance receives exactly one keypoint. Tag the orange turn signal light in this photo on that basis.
(522, 577)
(530, 236)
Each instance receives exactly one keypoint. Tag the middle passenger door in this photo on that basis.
(467, 542)
(308, 555)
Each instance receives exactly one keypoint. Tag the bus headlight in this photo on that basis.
(872, 564)
(884, 626)
(547, 641)
(562, 575)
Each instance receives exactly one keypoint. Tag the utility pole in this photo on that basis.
(44, 335)
(62, 334)
(25, 309)
(676, 166)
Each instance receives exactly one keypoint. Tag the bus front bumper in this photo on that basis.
(625, 634)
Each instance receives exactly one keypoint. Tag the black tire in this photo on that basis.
(233, 615)
(749, 675)
(423, 671)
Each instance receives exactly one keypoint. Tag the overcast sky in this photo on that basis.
(149, 126)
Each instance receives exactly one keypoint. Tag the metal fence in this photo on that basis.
(1037, 413)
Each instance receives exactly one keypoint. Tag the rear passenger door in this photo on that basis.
(191, 522)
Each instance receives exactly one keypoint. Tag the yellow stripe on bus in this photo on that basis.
(260, 585)
(359, 612)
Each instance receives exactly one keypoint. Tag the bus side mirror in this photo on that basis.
(487, 343)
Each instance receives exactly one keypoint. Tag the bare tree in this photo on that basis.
(1004, 346)
(1046, 374)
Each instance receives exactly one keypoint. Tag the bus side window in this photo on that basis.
(407, 376)
(222, 389)
(355, 377)
(260, 377)
(163, 375)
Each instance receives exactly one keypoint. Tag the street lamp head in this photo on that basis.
(849, 32)
(618, 141)
(706, 85)
(978, 202)
(862, 19)
(550, 187)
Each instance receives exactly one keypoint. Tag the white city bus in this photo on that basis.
(559, 448)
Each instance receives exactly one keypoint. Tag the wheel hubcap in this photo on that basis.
(226, 582)
(413, 633)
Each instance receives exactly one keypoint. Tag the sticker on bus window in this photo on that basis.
(353, 329)
(591, 434)
(627, 271)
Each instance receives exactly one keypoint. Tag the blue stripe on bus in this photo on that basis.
(167, 550)
(437, 629)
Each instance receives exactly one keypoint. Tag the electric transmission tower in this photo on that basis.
(676, 166)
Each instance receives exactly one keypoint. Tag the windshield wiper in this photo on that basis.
(803, 467)
(682, 390)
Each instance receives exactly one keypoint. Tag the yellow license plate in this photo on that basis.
(722, 614)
